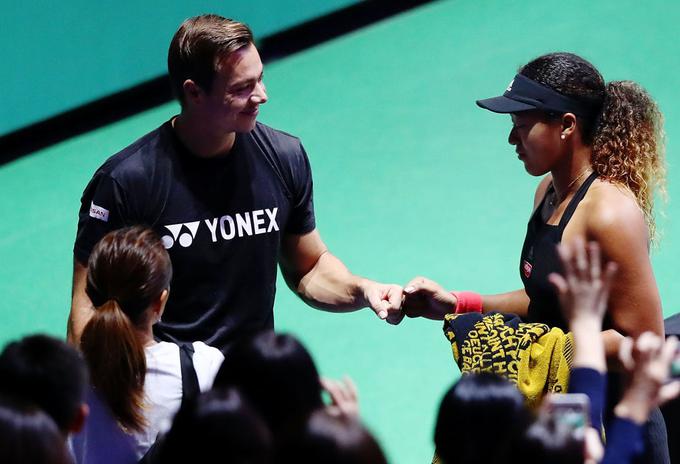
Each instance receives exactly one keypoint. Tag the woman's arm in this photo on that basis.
(619, 227)
(426, 298)
(516, 302)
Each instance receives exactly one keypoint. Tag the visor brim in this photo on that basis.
(504, 105)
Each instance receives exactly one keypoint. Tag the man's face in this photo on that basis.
(237, 92)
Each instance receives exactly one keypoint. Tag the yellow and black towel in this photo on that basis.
(533, 356)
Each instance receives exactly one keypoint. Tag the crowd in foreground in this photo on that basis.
(232, 202)
(125, 398)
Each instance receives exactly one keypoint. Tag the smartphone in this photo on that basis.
(675, 365)
(569, 410)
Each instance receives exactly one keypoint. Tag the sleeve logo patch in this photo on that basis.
(98, 212)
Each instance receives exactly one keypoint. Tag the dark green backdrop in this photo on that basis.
(60, 55)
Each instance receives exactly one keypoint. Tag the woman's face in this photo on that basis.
(537, 141)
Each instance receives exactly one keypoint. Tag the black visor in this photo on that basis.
(523, 94)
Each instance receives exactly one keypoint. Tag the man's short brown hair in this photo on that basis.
(198, 46)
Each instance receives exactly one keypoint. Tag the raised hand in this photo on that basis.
(344, 397)
(426, 298)
(648, 362)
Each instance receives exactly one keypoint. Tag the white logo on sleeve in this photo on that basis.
(227, 227)
(98, 212)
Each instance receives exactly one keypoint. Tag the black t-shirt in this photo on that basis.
(221, 219)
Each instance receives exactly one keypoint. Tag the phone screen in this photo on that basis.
(675, 365)
(570, 410)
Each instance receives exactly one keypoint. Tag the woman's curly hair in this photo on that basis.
(629, 146)
(626, 136)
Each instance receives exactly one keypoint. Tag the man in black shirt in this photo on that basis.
(230, 197)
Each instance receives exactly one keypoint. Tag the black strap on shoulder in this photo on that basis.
(548, 191)
(190, 388)
(576, 199)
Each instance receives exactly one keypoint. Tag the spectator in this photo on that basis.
(50, 374)
(217, 423)
(479, 420)
(140, 380)
(278, 376)
(29, 435)
(333, 439)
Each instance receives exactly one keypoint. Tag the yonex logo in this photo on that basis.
(227, 227)
(185, 239)
(510, 85)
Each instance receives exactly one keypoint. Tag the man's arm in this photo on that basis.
(323, 281)
(81, 306)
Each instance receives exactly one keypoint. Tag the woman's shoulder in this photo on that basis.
(161, 349)
(169, 352)
(207, 361)
(611, 207)
(201, 349)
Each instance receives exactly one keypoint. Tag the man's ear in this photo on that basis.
(80, 419)
(192, 91)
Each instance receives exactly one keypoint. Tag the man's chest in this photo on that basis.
(217, 213)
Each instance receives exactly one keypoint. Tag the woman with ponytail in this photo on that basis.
(599, 148)
(137, 378)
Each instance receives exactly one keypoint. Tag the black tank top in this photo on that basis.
(539, 259)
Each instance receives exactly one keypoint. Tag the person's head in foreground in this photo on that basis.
(217, 426)
(29, 435)
(49, 373)
(277, 375)
(480, 418)
(333, 439)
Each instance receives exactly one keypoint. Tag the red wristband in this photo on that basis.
(468, 302)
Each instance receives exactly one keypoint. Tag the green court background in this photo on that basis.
(60, 55)
(410, 178)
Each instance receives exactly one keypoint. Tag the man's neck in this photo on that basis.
(202, 140)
